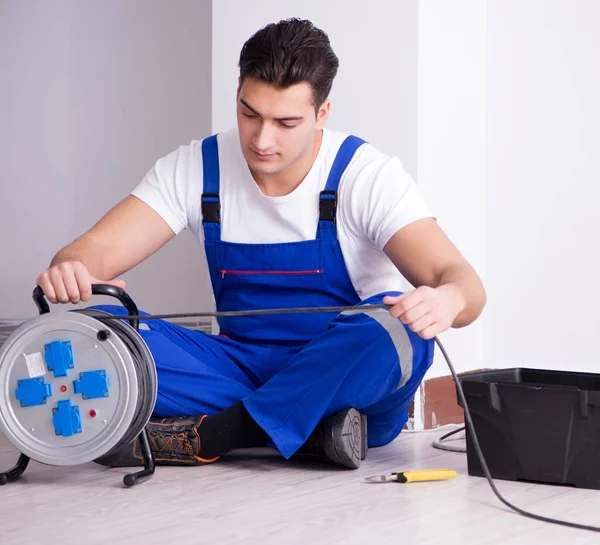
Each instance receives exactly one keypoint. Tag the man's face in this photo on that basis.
(276, 126)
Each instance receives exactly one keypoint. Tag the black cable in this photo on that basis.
(438, 443)
(362, 308)
(453, 432)
(217, 314)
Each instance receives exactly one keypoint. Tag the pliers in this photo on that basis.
(414, 476)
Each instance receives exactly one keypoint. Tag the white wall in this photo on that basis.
(543, 178)
(375, 93)
(508, 142)
(92, 94)
(451, 145)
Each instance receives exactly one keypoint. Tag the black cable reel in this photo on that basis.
(74, 387)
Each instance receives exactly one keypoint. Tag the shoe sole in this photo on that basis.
(345, 438)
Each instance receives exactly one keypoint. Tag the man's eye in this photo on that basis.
(248, 115)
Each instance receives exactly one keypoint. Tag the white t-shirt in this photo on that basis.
(376, 198)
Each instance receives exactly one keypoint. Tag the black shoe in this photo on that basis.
(341, 439)
(173, 441)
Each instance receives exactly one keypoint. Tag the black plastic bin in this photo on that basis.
(535, 425)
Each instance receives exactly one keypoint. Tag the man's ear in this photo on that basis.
(323, 114)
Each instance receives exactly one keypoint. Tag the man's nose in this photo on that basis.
(264, 139)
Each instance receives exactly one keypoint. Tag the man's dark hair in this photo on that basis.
(289, 52)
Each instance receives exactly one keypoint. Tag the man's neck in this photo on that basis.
(283, 183)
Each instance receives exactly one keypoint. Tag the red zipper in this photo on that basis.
(225, 271)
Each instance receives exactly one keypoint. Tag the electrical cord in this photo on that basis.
(254, 312)
(438, 443)
(362, 308)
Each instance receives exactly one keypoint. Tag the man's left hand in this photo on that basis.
(427, 311)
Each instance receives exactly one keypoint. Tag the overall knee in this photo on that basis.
(361, 341)
(384, 344)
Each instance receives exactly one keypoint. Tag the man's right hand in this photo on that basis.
(70, 282)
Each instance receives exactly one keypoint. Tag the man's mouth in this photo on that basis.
(263, 156)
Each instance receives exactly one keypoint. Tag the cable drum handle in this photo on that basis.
(97, 289)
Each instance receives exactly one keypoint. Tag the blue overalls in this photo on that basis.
(290, 370)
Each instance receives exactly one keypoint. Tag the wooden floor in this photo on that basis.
(254, 496)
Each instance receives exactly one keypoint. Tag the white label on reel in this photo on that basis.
(35, 364)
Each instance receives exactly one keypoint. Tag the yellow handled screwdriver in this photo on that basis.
(417, 475)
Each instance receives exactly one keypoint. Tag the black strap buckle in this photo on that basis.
(211, 210)
(327, 206)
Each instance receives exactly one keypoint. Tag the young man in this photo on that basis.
(290, 214)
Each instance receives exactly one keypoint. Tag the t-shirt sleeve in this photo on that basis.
(383, 199)
(164, 188)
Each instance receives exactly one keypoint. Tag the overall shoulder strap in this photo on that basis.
(211, 204)
(328, 197)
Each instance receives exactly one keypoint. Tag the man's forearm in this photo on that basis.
(464, 285)
(87, 252)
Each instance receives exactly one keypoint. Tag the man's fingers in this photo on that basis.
(59, 286)
(84, 283)
(70, 281)
(405, 302)
(66, 282)
(431, 331)
(424, 311)
(415, 313)
(46, 286)
(422, 323)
